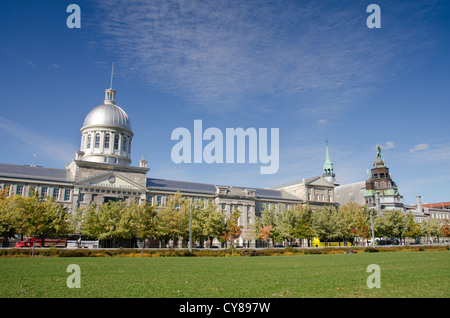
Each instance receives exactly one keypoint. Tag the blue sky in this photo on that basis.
(313, 69)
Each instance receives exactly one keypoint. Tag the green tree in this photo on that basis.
(42, 217)
(8, 215)
(104, 221)
(173, 219)
(304, 222)
(431, 228)
(413, 229)
(325, 223)
(213, 222)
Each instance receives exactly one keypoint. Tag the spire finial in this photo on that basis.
(112, 74)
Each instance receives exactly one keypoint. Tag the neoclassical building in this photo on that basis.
(102, 171)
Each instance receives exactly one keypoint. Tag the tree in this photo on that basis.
(265, 232)
(445, 228)
(42, 217)
(267, 219)
(285, 223)
(8, 215)
(104, 221)
(413, 229)
(173, 219)
(213, 222)
(325, 223)
(304, 224)
(431, 228)
(232, 229)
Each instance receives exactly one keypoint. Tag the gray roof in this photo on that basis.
(61, 175)
(33, 172)
(210, 189)
(353, 192)
(305, 180)
(182, 186)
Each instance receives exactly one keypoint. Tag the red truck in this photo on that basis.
(28, 242)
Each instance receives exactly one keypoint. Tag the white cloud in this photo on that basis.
(388, 145)
(419, 147)
(226, 52)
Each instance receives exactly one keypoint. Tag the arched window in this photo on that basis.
(88, 142)
(106, 141)
(97, 141)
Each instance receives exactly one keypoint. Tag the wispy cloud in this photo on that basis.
(439, 153)
(388, 145)
(418, 147)
(35, 143)
(226, 52)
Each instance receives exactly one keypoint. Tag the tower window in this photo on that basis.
(124, 144)
(88, 142)
(97, 140)
(106, 141)
(116, 142)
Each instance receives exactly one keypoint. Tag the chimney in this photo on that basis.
(419, 205)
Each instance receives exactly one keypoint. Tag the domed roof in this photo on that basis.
(108, 115)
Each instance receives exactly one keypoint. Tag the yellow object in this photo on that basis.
(317, 243)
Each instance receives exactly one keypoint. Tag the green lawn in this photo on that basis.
(403, 274)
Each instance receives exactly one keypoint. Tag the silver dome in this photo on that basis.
(107, 115)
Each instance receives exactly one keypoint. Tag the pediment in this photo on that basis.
(110, 180)
(321, 182)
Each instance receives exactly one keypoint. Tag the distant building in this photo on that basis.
(379, 191)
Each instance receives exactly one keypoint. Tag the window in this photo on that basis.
(43, 192)
(19, 189)
(97, 141)
(88, 142)
(66, 194)
(116, 142)
(56, 193)
(124, 143)
(106, 141)
(81, 197)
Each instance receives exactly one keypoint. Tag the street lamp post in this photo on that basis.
(190, 228)
(371, 222)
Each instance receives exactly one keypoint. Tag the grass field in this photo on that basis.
(403, 274)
